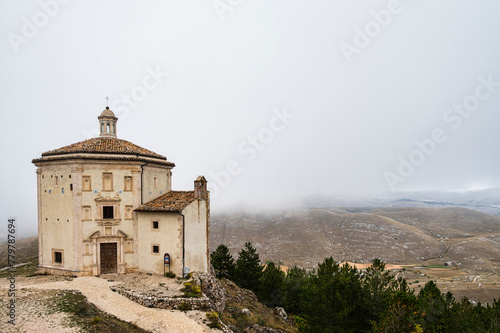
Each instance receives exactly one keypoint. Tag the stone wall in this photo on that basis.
(214, 291)
(170, 303)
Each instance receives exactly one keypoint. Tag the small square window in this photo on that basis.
(57, 257)
(156, 249)
(156, 225)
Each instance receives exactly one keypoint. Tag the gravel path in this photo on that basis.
(33, 313)
(98, 292)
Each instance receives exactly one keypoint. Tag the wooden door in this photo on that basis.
(108, 258)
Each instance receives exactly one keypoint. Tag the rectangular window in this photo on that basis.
(108, 212)
(155, 182)
(107, 181)
(156, 225)
(156, 249)
(57, 257)
(128, 183)
(71, 187)
(86, 183)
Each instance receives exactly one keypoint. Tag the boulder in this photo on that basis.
(246, 312)
(281, 312)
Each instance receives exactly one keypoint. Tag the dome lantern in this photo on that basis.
(107, 123)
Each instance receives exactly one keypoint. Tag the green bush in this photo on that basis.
(96, 320)
(212, 315)
(191, 290)
(214, 319)
(214, 324)
(185, 306)
(170, 275)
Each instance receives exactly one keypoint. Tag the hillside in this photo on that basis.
(305, 237)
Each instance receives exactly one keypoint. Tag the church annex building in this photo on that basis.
(106, 205)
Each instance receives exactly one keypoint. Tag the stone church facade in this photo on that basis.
(106, 205)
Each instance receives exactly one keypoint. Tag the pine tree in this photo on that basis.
(295, 280)
(223, 262)
(248, 268)
(271, 286)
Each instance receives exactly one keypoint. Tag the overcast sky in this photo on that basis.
(271, 100)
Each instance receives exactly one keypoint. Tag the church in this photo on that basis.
(106, 205)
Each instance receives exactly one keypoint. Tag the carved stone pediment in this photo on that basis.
(106, 199)
(108, 222)
(97, 234)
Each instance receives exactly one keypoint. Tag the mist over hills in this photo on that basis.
(469, 239)
(485, 200)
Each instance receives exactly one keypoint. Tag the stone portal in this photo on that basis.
(108, 258)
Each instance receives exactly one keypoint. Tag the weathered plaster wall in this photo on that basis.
(163, 182)
(196, 236)
(168, 237)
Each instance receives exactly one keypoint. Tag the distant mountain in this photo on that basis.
(486, 201)
(304, 237)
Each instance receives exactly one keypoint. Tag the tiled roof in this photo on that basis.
(107, 145)
(87, 157)
(173, 201)
(107, 113)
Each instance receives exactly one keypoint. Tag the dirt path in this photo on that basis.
(97, 292)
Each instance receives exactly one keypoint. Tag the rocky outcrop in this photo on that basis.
(211, 287)
(261, 329)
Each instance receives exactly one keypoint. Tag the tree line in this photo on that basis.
(335, 298)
